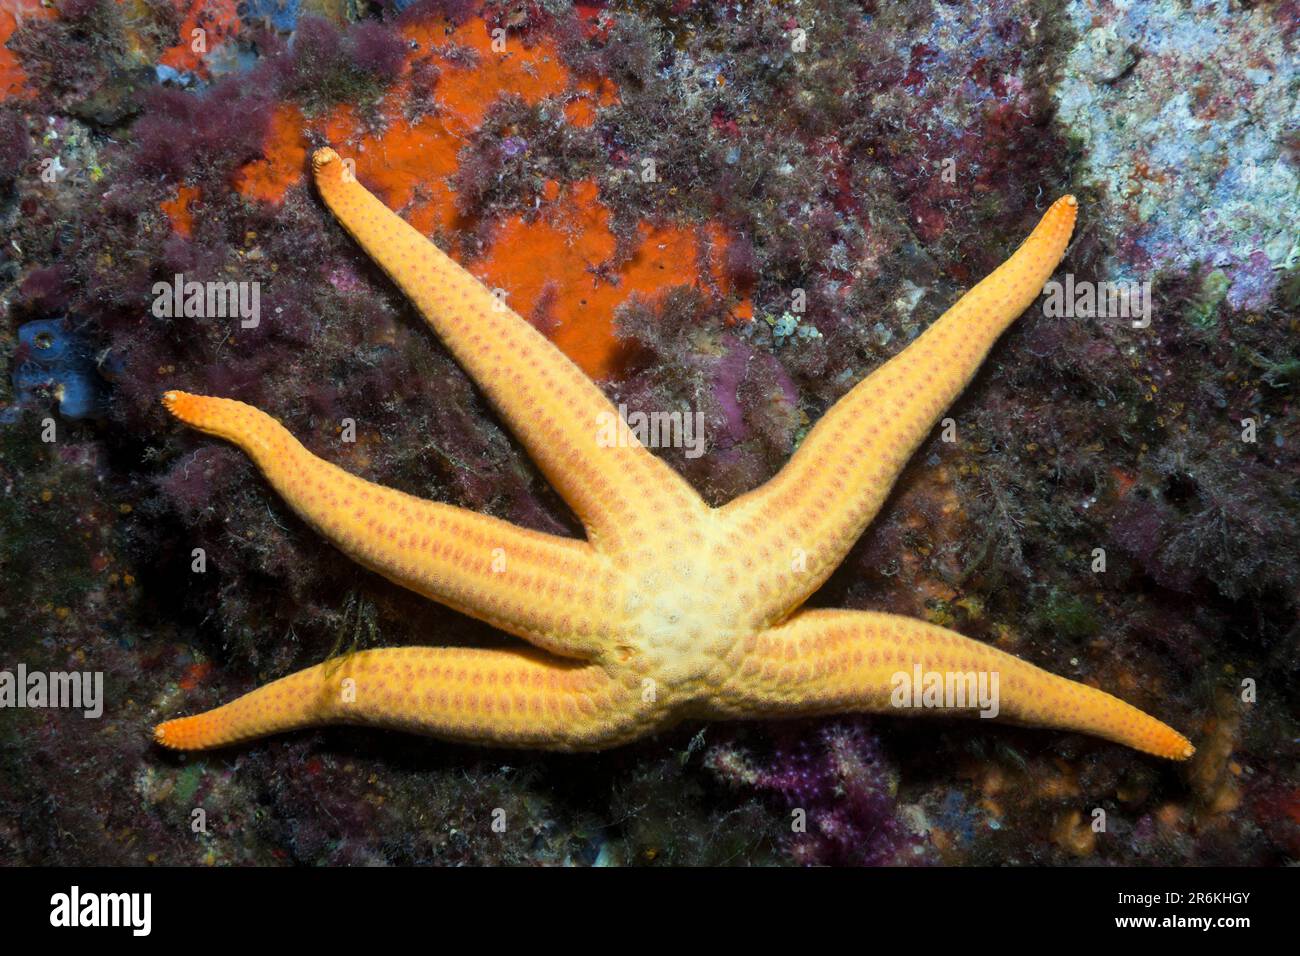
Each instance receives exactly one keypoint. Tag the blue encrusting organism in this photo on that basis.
(51, 361)
(281, 15)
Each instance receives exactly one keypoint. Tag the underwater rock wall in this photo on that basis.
(738, 209)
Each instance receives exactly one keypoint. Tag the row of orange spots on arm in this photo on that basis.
(459, 693)
(547, 264)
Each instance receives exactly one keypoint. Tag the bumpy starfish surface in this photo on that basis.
(670, 609)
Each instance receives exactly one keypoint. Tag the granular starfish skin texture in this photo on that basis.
(670, 609)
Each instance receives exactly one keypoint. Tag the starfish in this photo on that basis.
(669, 609)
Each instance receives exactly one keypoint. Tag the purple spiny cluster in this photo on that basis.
(838, 776)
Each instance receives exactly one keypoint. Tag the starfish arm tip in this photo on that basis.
(173, 734)
(323, 157)
(222, 417)
(1059, 220)
(176, 402)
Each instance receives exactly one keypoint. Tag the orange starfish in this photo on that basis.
(670, 609)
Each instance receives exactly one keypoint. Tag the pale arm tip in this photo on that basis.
(322, 158)
(174, 735)
(177, 402)
(193, 410)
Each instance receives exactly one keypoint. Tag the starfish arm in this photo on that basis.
(577, 438)
(823, 662)
(549, 590)
(832, 487)
(511, 698)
